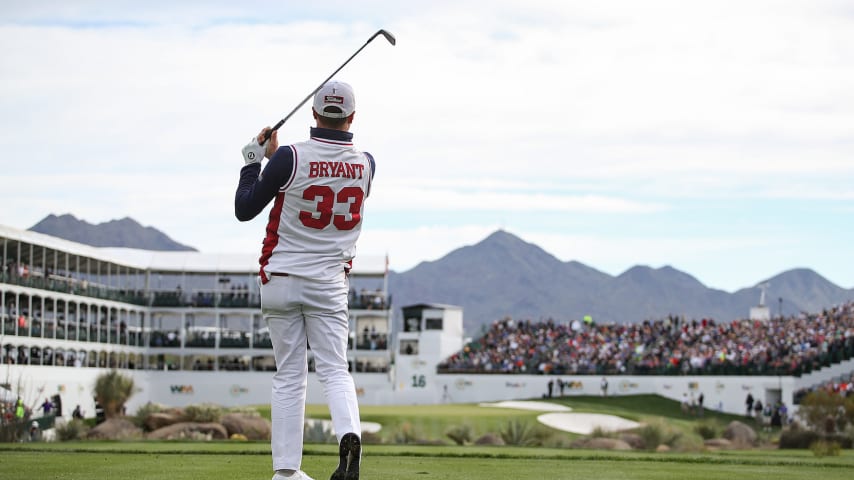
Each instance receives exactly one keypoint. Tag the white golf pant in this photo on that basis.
(299, 310)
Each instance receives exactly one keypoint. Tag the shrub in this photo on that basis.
(73, 430)
(405, 434)
(143, 412)
(112, 391)
(556, 441)
(203, 413)
(706, 430)
(825, 448)
(519, 433)
(247, 411)
(315, 432)
(460, 434)
(655, 434)
(371, 438)
(824, 411)
(797, 438)
(688, 443)
(600, 432)
(848, 409)
(12, 432)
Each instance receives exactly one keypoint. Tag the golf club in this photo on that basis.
(388, 36)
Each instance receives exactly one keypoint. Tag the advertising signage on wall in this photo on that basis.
(237, 390)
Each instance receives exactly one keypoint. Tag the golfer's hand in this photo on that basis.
(253, 152)
(272, 145)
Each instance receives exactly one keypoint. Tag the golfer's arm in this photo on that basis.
(255, 191)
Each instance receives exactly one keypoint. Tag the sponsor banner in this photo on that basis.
(626, 386)
(181, 389)
(462, 383)
(237, 390)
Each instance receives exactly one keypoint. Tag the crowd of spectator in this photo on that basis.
(367, 300)
(779, 346)
(370, 339)
(843, 386)
(76, 283)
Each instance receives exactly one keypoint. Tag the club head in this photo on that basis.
(388, 36)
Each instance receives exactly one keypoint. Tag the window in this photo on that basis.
(412, 324)
(409, 347)
(432, 324)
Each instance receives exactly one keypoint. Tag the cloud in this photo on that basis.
(401, 195)
(484, 111)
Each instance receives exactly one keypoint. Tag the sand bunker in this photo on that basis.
(585, 423)
(527, 405)
(367, 427)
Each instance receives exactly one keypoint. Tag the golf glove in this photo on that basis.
(253, 152)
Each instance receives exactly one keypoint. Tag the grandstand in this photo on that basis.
(186, 326)
(790, 346)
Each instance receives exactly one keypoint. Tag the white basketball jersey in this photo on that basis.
(316, 217)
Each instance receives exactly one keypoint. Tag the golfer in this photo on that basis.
(318, 188)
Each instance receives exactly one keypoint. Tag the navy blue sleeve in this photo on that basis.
(255, 191)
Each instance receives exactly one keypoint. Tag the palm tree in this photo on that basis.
(112, 391)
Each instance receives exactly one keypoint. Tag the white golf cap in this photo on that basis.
(335, 94)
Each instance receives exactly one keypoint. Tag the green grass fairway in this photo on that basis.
(431, 422)
(190, 461)
(187, 460)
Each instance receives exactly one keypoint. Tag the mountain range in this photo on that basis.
(125, 232)
(503, 276)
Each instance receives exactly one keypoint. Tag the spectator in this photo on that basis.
(758, 408)
(20, 411)
(46, 406)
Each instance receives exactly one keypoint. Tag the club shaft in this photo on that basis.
(310, 95)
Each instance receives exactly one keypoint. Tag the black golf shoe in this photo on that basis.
(349, 453)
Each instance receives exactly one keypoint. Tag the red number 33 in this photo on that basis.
(326, 199)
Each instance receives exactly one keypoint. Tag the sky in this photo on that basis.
(716, 137)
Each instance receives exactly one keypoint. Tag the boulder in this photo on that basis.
(158, 420)
(114, 429)
(740, 434)
(489, 439)
(662, 448)
(718, 443)
(633, 439)
(253, 427)
(190, 430)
